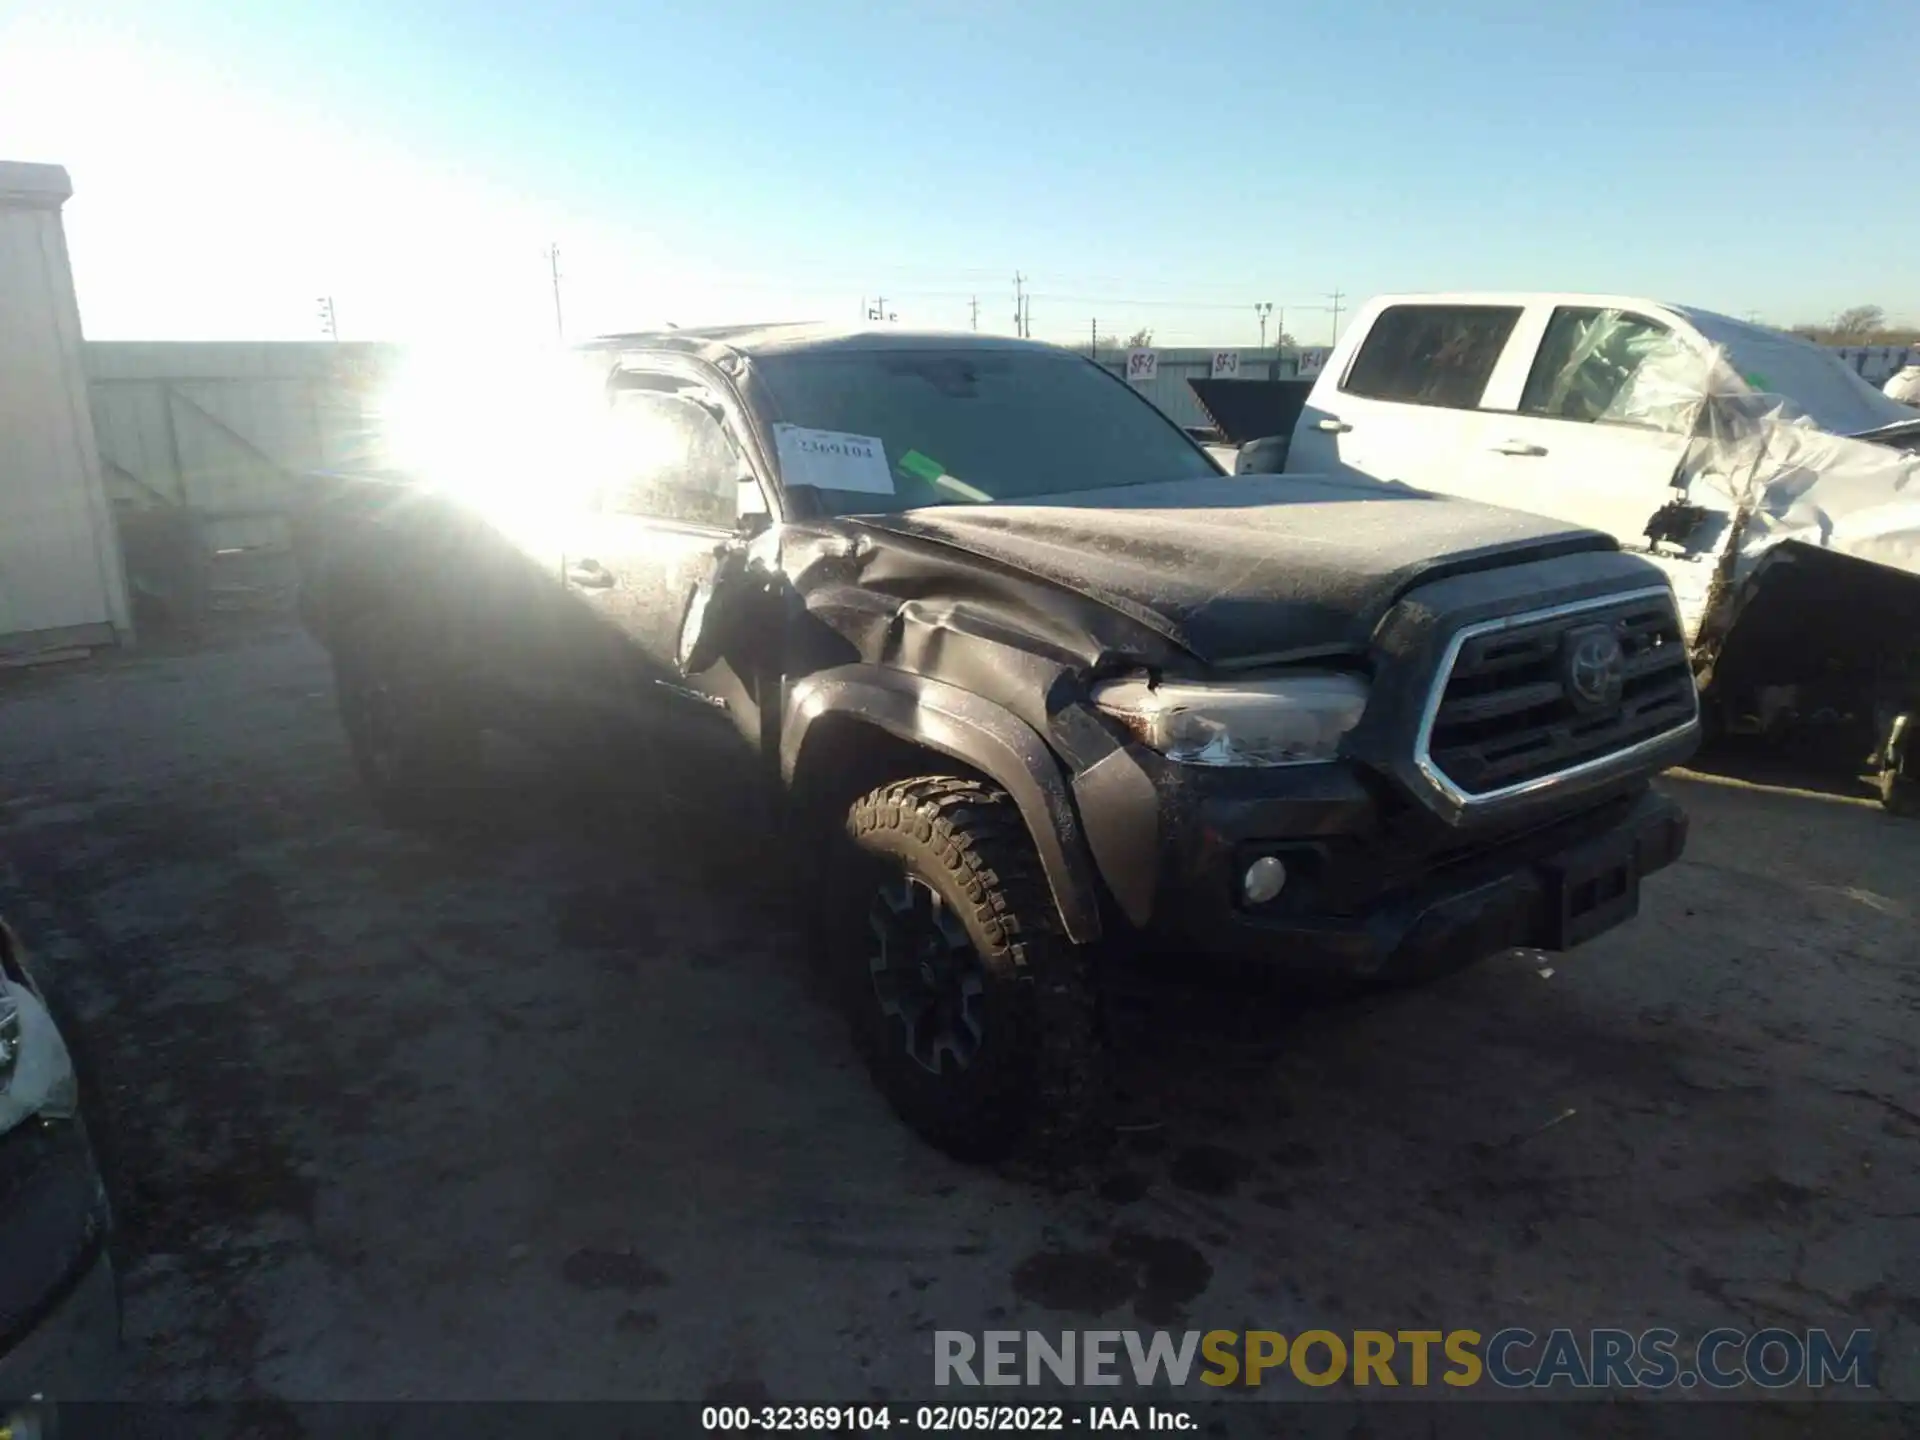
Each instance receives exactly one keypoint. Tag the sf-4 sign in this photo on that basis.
(1143, 365)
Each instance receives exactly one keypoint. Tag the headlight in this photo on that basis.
(36, 1073)
(1293, 720)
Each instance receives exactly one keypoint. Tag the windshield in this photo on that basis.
(885, 430)
(1813, 381)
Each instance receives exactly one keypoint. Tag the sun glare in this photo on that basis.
(517, 434)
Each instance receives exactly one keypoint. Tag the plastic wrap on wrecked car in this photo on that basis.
(1761, 469)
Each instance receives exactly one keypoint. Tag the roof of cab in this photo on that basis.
(774, 339)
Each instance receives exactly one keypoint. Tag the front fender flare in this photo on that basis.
(972, 729)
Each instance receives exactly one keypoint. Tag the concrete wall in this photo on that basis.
(1876, 364)
(61, 581)
(1169, 391)
(225, 431)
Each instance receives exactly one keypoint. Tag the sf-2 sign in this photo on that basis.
(1226, 364)
(1142, 365)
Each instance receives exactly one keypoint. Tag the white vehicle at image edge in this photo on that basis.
(1778, 490)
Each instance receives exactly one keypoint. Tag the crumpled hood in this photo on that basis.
(1247, 568)
(1794, 482)
(1848, 495)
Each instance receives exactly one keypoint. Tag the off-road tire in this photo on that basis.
(1034, 1084)
(413, 737)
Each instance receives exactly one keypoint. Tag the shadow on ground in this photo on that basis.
(550, 1104)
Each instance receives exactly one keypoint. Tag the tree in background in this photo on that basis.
(1860, 325)
(1140, 339)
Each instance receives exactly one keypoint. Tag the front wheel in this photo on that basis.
(975, 1014)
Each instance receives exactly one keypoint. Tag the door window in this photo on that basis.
(671, 458)
(1431, 354)
(1614, 366)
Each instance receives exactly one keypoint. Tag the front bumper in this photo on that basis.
(1373, 895)
(59, 1310)
(73, 1352)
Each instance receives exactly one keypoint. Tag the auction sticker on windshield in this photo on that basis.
(833, 460)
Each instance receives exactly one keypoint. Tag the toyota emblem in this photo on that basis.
(1596, 668)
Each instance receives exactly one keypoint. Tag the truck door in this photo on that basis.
(1401, 404)
(1591, 425)
(667, 508)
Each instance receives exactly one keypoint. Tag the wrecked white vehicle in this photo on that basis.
(1775, 487)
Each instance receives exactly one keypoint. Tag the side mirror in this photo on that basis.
(750, 508)
(1266, 456)
(713, 611)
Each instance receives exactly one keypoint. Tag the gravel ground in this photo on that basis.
(555, 1110)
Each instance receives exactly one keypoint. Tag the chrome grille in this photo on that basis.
(1504, 715)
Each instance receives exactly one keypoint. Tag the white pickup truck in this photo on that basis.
(1778, 490)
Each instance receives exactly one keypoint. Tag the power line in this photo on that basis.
(1130, 301)
(1237, 307)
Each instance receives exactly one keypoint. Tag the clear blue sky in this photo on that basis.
(1163, 165)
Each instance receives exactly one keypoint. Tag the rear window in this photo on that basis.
(1431, 354)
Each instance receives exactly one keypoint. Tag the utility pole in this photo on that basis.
(1093, 338)
(1336, 297)
(973, 307)
(878, 310)
(1019, 305)
(553, 269)
(327, 321)
(1026, 323)
(1263, 309)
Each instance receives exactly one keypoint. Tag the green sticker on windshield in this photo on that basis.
(925, 467)
(1759, 382)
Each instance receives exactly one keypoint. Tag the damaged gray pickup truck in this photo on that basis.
(1034, 678)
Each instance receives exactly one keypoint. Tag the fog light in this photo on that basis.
(1263, 880)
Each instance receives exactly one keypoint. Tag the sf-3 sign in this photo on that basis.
(1226, 364)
